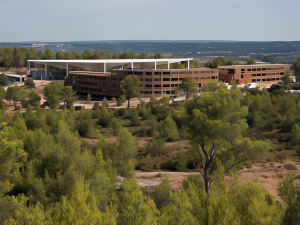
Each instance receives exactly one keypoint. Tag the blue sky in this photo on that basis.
(70, 20)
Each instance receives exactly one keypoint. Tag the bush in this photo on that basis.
(161, 195)
(105, 103)
(121, 100)
(104, 117)
(85, 125)
(182, 161)
(4, 81)
(134, 117)
(29, 82)
(145, 132)
(295, 134)
(156, 147)
(168, 130)
(169, 165)
(146, 164)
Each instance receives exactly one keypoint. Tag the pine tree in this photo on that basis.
(136, 208)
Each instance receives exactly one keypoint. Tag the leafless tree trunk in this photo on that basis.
(206, 158)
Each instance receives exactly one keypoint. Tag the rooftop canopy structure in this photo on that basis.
(106, 65)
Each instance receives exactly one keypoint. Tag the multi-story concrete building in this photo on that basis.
(159, 82)
(257, 73)
(101, 78)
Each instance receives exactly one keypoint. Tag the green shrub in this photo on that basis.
(295, 134)
(4, 81)
(156, 147)
(168, 130)
(146, 164)
(168, 165)
(182, 161)
(144, 132)
(29, 82)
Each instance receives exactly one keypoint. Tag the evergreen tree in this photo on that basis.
(80, 208)
(53, 93)
(4, 81)
(290, 193)
(217, 121)
(188, 86)
(168, 130)
(136, 208)
(287, 80)
(130, 88)
(29, 82)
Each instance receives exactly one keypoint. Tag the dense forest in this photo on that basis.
(52, 171)
(17, 57)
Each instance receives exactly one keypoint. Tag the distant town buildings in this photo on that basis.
(101, 78)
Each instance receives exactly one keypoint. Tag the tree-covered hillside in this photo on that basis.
(62, 166)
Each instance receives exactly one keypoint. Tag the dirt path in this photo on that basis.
(268, 174)
(152, 179)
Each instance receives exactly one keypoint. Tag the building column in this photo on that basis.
(46, 72)
(131, 65)
(155, 65)
(188, 64)
(104, 67)
(168, 65)
(67, 69)
(28, 72)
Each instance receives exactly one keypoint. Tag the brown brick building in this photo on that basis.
(258, 73)
(101, 78)
(159, 82)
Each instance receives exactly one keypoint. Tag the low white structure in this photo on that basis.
(106, 65)
(16, 77)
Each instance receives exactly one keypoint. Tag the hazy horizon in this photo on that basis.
(108, 20)
(141, 40)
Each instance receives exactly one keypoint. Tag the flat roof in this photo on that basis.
(108, 61)
(106, 64)
(254, 65)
